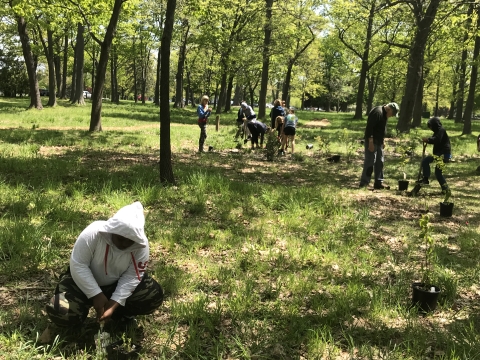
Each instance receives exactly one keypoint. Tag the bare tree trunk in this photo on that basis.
(96, 114)
(63, 91)
(156, 98)
(418, 107)
(415, 64)
(80, 60)
(179, 103)
(35, 101)
(454, 92)
(228, 97)
(262, 101)
(49, 54)
(166, 171)
(463, 67)
(467, 117)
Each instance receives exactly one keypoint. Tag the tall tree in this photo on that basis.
(267, 30)
(166, 171)
(467, 117)
(105, 45)
(30, 63)
(424, 16)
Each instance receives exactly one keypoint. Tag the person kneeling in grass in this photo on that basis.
(257, 129)
(108, 271)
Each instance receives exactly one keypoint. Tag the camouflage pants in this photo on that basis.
(203, 135)
(69, 306)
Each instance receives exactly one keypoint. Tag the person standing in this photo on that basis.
(203, 112)
(277, 110)
(442, 149)
(289, 130)
(250, 115)
(374, 143)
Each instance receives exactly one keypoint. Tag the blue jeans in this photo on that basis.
(438, 172)
(373, 164)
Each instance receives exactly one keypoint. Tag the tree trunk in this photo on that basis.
(463, 67)
(49, 54)
(365, 66)
(418, 108)
(454, 92)
(179, 103)
(35, 101)
(190, 91)
(96, 114)
(80, 60)
(467, 117)
(262, 100)
(228, 97)
(156, 98)
(63, 91)
(286, 84)
(135, 80)
(57, 62)
(223, 85)
(437, 93)
(166, 171)
(94, 65)
(415, 65)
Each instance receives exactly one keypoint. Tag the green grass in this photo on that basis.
(283, 259)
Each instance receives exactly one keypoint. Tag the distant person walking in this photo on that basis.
(374, 142)
(203, 112)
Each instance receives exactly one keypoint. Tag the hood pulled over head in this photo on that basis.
(434, 124)
(129, 222)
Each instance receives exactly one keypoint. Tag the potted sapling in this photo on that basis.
(403, 183)
(425, 293)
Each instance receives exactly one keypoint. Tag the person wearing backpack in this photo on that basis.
(108, 271)
(203, 112)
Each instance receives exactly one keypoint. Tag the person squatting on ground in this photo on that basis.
(441, 148)
(257, 129)
(249, 114)
(289, 129)
(203, 112)
(107, 271)
(374, 142)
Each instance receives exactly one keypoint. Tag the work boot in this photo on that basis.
(381, 186)
(423, 181)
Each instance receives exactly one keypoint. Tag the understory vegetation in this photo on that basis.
(259, 259)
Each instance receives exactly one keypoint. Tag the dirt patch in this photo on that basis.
(317, 123)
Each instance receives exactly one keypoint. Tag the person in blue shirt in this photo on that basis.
(203, 112)
(276, 111)
(289, 130)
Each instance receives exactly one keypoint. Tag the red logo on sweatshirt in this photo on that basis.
(142, 266)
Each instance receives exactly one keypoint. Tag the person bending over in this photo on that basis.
(108, 270)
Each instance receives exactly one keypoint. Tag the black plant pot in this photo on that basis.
(446, 209)
(334, 159)
(402, 185)
(423, 298)
(118, 351)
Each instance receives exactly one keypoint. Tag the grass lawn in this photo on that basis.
(282, 259)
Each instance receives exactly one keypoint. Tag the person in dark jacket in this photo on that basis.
(277, 110)
(240, 124)
(441, 149)
(257, 129)
(374, 142)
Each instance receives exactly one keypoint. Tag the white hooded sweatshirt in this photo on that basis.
(96, 261)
